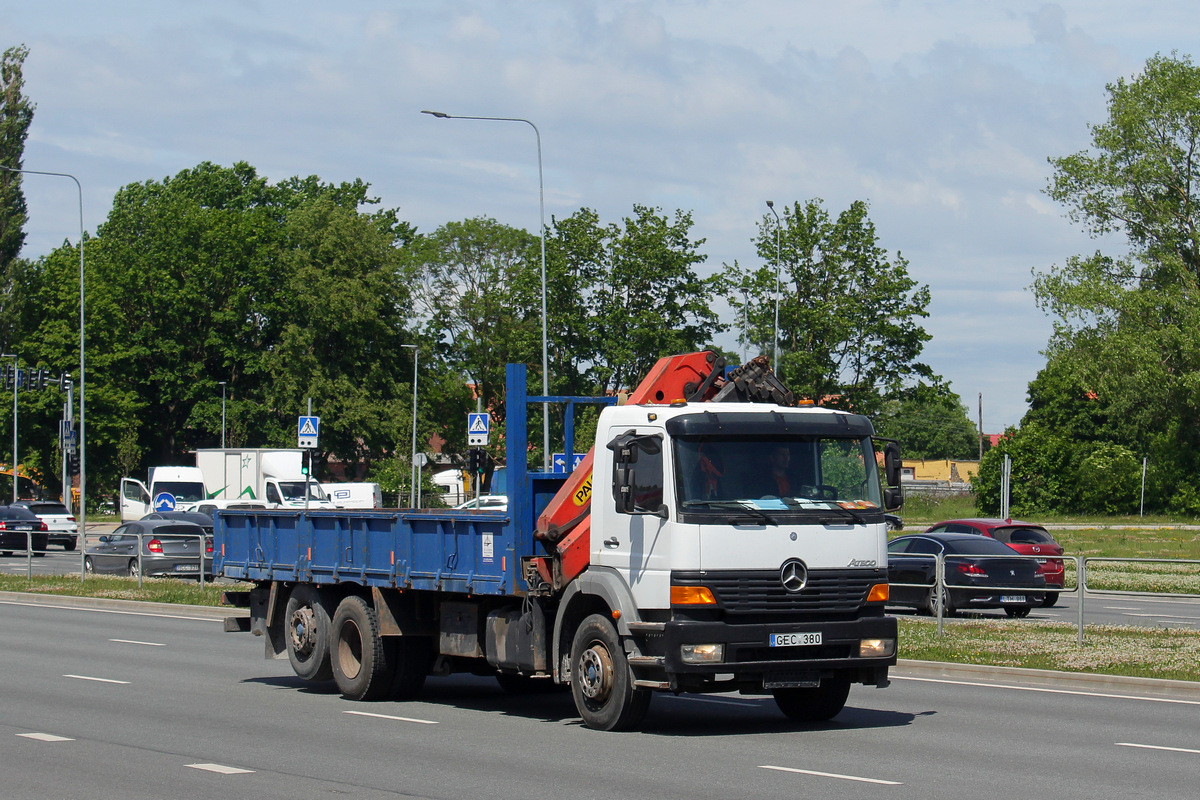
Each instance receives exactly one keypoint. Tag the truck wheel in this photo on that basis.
(411, 657)
(816, 704)
(359, 659)
(601, 680)
(307, 622)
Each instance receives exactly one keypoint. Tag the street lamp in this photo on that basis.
(412, 474)
(542, 237)
(775, 360)
(82, 416)
(13, 466)
(222, 414)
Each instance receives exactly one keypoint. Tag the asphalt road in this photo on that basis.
(103, 703)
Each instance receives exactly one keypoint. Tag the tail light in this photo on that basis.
(3, 525)
(154, 546)
(70, 519)
(208, 548)
(43, 527)
(972, 569)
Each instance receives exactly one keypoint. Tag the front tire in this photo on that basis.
(816, 704)
(358, 656)
(307, 633)
(601, 680)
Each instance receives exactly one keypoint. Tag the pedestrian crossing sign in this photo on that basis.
(478, 427)
(309, 429)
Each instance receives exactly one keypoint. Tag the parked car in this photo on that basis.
(486, 502)
(1026, 538)
(981, 572)
(169, 548)
(15, 524)
(63, 528)
(211, 507)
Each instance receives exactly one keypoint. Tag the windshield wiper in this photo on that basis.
(735, 505)
(843, 512)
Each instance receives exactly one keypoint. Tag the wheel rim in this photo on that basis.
(303, 630)
(133, 569)
(350, 650)
(88, 566)
(596, 672)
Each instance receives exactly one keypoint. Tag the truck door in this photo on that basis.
(630, 534)
(135, 499)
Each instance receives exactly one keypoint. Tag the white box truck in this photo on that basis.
(165, 489)
(354, 495)
(274, 476)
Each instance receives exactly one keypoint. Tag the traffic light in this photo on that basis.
(8, 377)
(474, 460)
(73, 463)
(64, 379)
(41, 375)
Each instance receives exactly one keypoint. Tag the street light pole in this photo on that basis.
(775, 359)
(412, 473)
(542, 238)
(222, 414)
(13, 465)
(82, 416)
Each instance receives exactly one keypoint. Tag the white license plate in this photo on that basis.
(187, 567)
(795, 639)
(1013, 598)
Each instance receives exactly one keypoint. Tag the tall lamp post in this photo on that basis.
(775, 359)
(542, 237)
(412, 474)
(222, 414)
(13, 466)
(82, 415)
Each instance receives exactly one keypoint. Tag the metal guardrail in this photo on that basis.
(1080, 590)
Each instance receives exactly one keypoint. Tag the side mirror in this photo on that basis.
(104, 540)
(893, 498)
(891, 463)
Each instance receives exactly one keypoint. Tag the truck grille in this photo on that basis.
(760, 591)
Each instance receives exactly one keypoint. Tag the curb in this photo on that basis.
(1026, 678)
(116, 604)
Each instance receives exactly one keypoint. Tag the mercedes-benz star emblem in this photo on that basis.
(793, 575)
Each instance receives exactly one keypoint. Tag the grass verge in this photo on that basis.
(1107, 649)
(153, 590)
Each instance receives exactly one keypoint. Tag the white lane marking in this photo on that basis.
(1158, 747)
(1161, 616)
(45, 737)
(135, 641)
(90, 678)
(719, 701)
(220, 768)
(389, 716)
(1049, 691)
(112, 611)
(831, 775)
(1121, 608)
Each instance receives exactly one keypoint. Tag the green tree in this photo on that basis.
(1128, 324)
(849, 313)
(16, 114)
(929, 422)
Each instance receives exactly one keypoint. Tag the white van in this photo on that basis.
(449, 483)
(354, 495)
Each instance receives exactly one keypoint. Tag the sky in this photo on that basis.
(941, 115)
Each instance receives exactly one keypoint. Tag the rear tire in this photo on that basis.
(88, 567)
(1050, 599)
(601, 680)
(69, 546)
(134, 570)
(360, 660)
(307, 629)
(1017, 613)
(816, 704)
(948, 609)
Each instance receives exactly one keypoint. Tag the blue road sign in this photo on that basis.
(576, 460)
(478, 427)
(309, 431)
(558, 462)
(164, 501)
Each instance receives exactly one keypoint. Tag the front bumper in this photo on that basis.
(752, 665)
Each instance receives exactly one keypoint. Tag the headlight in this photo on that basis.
(876, 648)
(702, 653)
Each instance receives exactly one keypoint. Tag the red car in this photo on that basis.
(1026, 538)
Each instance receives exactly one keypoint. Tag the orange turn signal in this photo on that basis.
(878, 594)
(692, 596)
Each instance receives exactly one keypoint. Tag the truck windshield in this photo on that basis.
(770, 477)
(294, 491)
(183, 491)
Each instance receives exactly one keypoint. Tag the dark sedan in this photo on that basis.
(169, 549)
(980, 573)
(16, 524)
